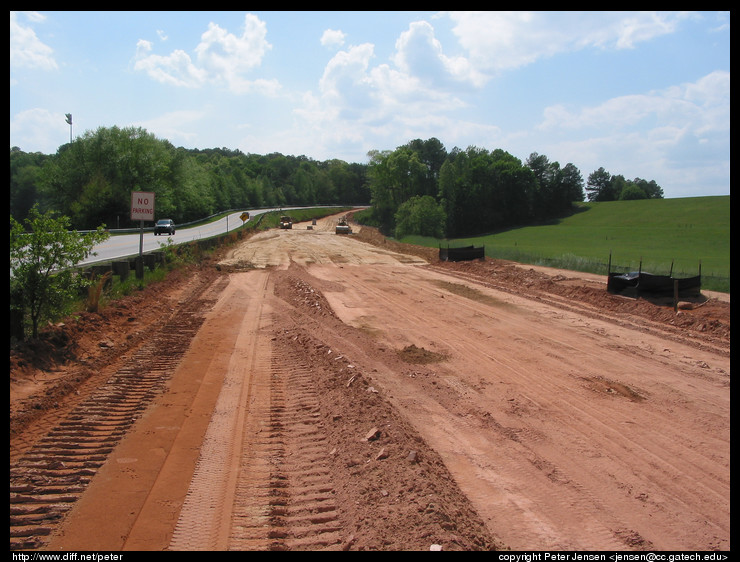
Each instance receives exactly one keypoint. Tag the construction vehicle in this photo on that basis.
(286, 222)
(343, 227)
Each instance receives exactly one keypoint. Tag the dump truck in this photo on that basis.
(286, 222)
(343, 227)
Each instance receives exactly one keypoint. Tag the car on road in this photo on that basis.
(164, 226)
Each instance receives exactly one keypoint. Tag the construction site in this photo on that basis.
(319, 387)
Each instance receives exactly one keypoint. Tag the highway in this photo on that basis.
(124, 245)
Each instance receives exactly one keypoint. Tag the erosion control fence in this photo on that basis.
(462, 254)
(640, 283)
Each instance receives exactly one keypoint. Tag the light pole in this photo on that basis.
(69, 120)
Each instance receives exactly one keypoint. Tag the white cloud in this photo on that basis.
(701, 106)
(175, 69)
(422, 81)
(224, 54)
(332, 38)
(39, 128)
(345, 83)
(498, 41)
(361, 105)
(419, 54)
(220, 58)
(678, 136)
(642, 27)
(26, 50)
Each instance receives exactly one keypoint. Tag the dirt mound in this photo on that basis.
(419, 355)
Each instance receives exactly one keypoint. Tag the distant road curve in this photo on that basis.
(124, 245)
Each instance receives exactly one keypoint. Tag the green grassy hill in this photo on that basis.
(660, 232)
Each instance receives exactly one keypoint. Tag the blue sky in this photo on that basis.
(642, 94)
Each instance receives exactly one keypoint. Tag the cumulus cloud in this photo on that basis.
(498, 41)
(332, 38)
(420, 54)
(418, 80)
(175, 69)
(220, 58)
(365, 102)
(26, 49)
(345, 79)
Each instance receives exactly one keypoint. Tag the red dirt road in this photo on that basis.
(334, 394)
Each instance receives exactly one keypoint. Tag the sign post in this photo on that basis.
(142, 208)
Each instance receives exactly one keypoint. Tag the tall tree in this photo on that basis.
(432, 154)
(25, 176)
(599, 186)
(572, 184)
(394, 178)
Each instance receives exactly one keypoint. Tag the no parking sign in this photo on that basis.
(142, 206)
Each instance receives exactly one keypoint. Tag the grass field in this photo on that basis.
(662, 233)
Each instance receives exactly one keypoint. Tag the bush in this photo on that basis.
(421, 215)
(42, 257)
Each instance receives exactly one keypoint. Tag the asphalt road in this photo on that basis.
(124, 245)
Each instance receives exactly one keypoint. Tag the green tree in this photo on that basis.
(432, 154)
(449, 188)
(631, 191)
(600, 186)
(25, 175)
(572, 184)
(420, 215)
(557, 188)
(379, 177)
(91, 179)
(651, 189)
(42, 255)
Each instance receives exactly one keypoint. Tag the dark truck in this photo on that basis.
(164, 226)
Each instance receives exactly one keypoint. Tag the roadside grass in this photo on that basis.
(662, 236)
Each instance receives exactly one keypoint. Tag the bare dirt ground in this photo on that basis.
(310, 391)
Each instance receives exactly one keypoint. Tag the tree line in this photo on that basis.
(91, 179)
(418, 188)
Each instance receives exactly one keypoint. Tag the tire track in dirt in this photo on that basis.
(302, 476)
(49, 478)
(302, 511)
(261, 482)
(207, 509)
